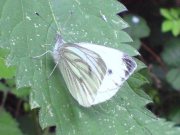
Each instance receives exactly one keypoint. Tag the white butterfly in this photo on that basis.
(93, 73)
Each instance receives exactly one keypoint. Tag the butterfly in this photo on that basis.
(93, 73)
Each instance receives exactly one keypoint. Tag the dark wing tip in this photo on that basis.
(130, 64)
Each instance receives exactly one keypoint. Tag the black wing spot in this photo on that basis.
(109, 71)
(129, 63)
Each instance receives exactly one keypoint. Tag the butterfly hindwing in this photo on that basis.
(119, 67)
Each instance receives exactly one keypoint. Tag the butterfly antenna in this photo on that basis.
(46, 22)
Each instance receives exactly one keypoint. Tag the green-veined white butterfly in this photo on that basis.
(93, 73)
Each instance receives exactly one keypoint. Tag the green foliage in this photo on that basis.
(6, 72)
(9, 85)
(137, 29)
(171, 57)
(175, 115)
(173, 77)
(25, 35)
(8, 126)
(171, 53)
(172, 20)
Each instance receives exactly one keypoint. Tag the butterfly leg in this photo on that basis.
(43, 54)
(53, 70)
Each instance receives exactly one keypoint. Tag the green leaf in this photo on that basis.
(174, 12)
(176, 28)
(136, 43)
(166, 13)
(137, 26)
(9, 86)
(21, 92)
(173, 20)
(79, 21)
(171, 53)
(173, 77)
(167, 26)
(140, 64)
(8, 126)
(3, 53)
(136, 82)
(6, 72)
(138, 29)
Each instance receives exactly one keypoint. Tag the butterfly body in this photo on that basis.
(93, 73)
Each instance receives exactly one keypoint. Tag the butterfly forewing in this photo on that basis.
(83, 71)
